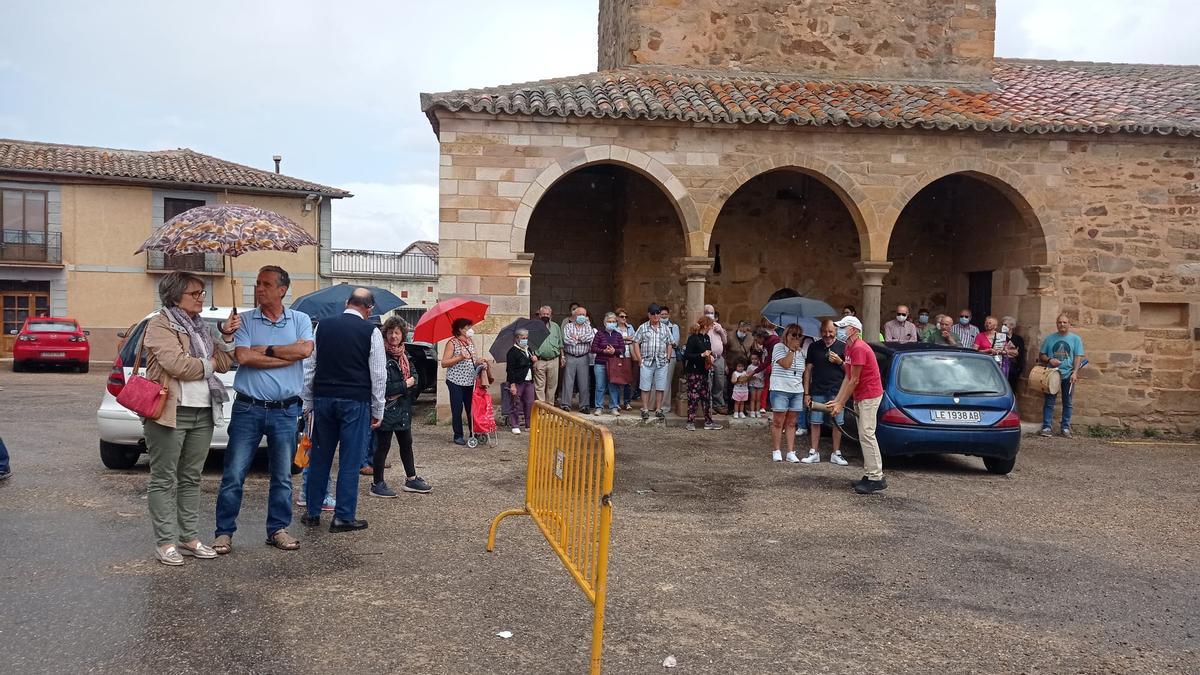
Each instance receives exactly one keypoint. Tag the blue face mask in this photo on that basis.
(524, 342)
(923, 318)
(841, 334)
(610, 326)
(581, 319)
(964, 320)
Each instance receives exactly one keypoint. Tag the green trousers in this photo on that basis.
(176, 460)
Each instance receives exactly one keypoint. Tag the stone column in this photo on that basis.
(872, 273)
(697, 270)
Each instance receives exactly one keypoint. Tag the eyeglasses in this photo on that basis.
(273, 324)
(622, 316)
(198, 295)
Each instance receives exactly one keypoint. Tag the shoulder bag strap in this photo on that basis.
(137, 360)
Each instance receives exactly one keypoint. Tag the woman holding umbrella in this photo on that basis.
(460, 358)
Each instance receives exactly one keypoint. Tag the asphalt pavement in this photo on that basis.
(1085, 559)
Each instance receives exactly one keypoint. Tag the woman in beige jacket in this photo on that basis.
(184, 354)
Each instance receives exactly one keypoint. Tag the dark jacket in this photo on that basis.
(605, 338)
(519, 364)
(397, 413)
(694, 360)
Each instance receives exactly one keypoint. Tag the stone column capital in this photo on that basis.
(521, 266)
(697, 268)
(872, 272)
(1038, 277)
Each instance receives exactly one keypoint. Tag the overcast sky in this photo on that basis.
(333, 87)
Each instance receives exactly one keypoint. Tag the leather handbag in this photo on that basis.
(620, 370)
(143, 396)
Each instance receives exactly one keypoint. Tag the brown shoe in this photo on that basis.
(367, 471)
(283, 541)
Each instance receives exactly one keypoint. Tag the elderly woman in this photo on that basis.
(991, 340)
(184, 355)
(1016, 366)
(609, 343)
(460, 359)
(697, 362)
(521, 390)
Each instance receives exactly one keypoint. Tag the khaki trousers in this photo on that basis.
(545, 379)
(176, 460)
(868, 410)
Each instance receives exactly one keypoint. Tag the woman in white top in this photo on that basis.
(787, 390)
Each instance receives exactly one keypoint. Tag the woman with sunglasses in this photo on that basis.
(628, 391)
(183, 354)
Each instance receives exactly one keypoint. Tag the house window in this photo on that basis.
(191, 262)
(23, 232)
(404, 294)
(429, 289)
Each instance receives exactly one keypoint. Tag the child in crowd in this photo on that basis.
(756, 383)
(741, 388)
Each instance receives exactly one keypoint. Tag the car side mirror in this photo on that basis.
(12, 332)
(87, 332)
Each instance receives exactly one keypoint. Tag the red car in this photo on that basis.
(49, 339)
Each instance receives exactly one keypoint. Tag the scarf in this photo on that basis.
(401, 356)
(201, 347)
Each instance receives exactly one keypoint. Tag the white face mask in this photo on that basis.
(711, 316)
(1003, 329)
(470, 332)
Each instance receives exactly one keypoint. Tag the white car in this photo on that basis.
(121, 439)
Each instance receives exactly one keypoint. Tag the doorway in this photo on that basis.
(16, 305)
(979, 296)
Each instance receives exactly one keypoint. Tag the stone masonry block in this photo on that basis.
(456, 230)
(493, 231)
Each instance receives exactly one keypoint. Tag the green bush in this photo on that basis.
(1150, 432)
(1097, 431)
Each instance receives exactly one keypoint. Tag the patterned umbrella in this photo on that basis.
(228, 229)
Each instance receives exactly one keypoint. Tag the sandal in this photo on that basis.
(223, 544)
(283, 541)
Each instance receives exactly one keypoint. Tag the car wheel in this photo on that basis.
(999, 466)
(18, 366)
(116, 456)
(84, 367)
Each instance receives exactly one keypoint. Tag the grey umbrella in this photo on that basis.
(504, 339)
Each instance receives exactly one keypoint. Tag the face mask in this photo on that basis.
(470, 332)
(610, 326)
(524, 342)
(581, 319)
(901, 317)
(711, 316)
(964, 320)
(923, 318)
(1003, 329)
(545, 319)
(841, 334)
(741, 335)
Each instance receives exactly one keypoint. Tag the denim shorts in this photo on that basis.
(782, 401)
(653, 377)
(818, 417)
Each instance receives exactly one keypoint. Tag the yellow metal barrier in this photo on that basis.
(568, 494)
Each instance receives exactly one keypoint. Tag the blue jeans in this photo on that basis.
(1048, 407)
(3, 457)
(343, 425)
(247, 426)
(600, 374)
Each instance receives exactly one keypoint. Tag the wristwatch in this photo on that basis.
(270, 351)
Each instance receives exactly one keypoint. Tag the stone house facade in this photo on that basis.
(727, 150)
(411, 274)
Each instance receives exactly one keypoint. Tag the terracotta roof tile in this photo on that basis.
(1029, 96)
(182, 166)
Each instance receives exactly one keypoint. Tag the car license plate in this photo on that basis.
(968, 416)
(53, 355)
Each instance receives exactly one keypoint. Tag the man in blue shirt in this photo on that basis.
(1062, 350)
(270, 346)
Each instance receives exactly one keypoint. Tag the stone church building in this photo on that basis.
(867, 152)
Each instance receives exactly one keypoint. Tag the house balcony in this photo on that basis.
(22, 247)
(356, 263)
(196, 263)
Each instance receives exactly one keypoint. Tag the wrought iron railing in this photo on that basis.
(209, 263)
(412, 264)
(31, 246)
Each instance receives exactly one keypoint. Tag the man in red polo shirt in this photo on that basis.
(863, 381)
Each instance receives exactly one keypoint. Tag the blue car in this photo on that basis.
(946, 400)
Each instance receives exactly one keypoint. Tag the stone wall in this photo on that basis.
(1118, 247)
(943, 40)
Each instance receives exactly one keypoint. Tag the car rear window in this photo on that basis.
(949, 374)
(132, 340)
(52, 327)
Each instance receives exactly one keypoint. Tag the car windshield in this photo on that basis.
(52, 327)
(135, 336)
(950, 375)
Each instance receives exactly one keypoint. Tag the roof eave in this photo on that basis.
(151, 182)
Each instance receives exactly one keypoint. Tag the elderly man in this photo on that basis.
(654, 351)
(940, 333)
(270, 346)
(862, 381)
(545, 369)
(965, 332)
(717, 337)
(577, 343)
(345, 390)
(900, 329)
(1062, 350)
(741, 343)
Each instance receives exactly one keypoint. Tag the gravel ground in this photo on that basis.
(1085, 559)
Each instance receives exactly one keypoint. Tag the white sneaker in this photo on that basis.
(791, 457)
(813, 457)
(837, 458)
(516, 430)
(800, 431)
(777, 456)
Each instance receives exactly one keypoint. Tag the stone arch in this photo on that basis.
(656, 172)
(841, 183)
(1025, 197)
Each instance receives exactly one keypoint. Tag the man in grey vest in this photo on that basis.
(344, 390)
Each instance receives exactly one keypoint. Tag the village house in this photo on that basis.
(870, 152)
(411, 274)
(73, 217)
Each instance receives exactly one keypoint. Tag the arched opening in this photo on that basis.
(605, 236)
(963, 241)
(784, 229)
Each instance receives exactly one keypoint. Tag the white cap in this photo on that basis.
(849, 322)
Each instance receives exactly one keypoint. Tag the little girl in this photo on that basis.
(757, 381)
(741, 388)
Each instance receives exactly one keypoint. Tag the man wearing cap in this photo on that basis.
(653, 350)
(866, 385)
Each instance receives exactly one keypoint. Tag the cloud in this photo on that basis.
(1118, 31)
(386, 216)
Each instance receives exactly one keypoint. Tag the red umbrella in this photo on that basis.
(434, 325)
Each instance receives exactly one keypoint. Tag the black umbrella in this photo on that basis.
(329, 302)
(504, 340)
